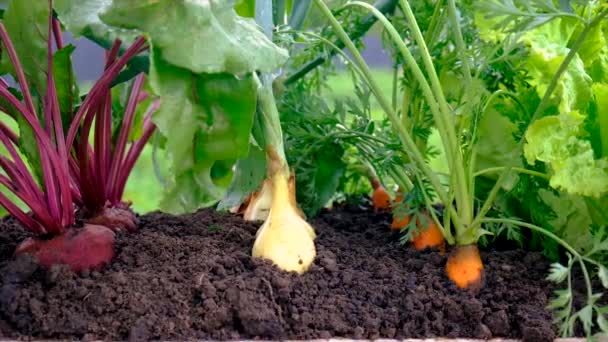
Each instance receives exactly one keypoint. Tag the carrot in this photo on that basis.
(400, 222)
(380, 198)
(426, 237)
(429, 237)
(464, 267)
(399, 198)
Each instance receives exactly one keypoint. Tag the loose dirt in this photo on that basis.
(191, 276)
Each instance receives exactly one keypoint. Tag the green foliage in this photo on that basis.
(81, 18)
(212, 37)
(206, 124)
(523, 15)
(65, 83)
(313, 148)
(201, 65)
(556, 140)
(249, 173)
(27, 24)
(245, 8)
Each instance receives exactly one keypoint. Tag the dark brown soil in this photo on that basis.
(192, 277)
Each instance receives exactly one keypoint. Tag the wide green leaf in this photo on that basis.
(26, 22)
(248, 176)
(28, 147)
(327, 177)
(202, 36)
(572, 218)
(496, 143)
(65, 83)
(81, 18)
(245, 8)
(207, 119)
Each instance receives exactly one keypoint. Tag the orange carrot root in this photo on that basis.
(400, 222)
(400, 196)
(426, 237)
(381, 200)
(464, 267)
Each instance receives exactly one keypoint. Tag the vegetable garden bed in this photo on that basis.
(493, 133)
(192, 276)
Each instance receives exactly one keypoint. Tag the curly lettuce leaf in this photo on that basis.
(207, 119)
(202, 36)
(557, 141)
(548, 47)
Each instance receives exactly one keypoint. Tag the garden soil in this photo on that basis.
(192, 277)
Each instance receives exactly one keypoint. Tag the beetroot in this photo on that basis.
(89, 247)
(116, 218)
(75, 170)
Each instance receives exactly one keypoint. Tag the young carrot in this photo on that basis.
(400, 222)
(429, 236)
(464, 267)
(399, 198)
(381, 200)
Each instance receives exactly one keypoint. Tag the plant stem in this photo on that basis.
(273, 133)
(487, 204)
(135, 150)
(123, 136)
(264, 16)
(460, 45)
(395, 86)
(536, 229)
(299, 11)
(410, 146)
(445, 122)
(278, 12)
(105, 80)
(406, 100)
(384, 6)
(64, 195)
(431, 32)
(516, 169)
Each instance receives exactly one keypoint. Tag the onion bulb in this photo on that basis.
(285, 238)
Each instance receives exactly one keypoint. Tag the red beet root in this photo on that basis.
(88, 248)
(116, 218)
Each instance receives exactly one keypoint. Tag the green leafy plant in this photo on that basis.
(61, 169)
(457, 126)
(565, 65)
